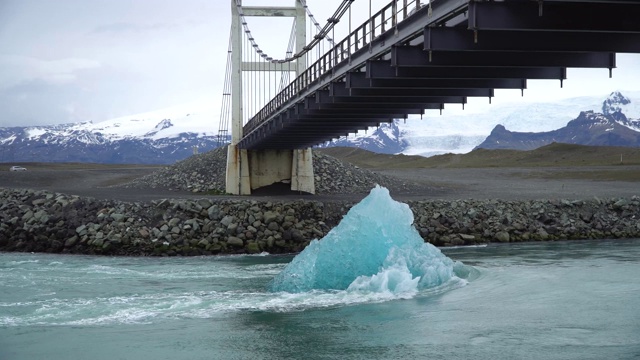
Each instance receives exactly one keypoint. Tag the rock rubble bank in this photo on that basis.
(205, 173)
(41, 221)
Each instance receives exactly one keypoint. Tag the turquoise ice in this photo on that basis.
(374, 248)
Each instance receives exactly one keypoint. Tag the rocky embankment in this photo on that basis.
(205, 173)
(41, 221)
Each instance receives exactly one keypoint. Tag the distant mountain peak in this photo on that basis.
(385, 139)
(614, 103)
(164, 124)
(499, 128)
(589, 128)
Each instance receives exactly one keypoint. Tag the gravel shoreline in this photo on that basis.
(164, 212)
(42, 221)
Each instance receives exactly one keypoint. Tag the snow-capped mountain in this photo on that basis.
(158, 137)
(590, 128)
(609, 126)
(462, 131)
(168, 135)
(385, 139)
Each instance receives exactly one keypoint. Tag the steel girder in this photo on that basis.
(460, 39)
(325, 97)
(414, 56)
(613, 17)
(340, 89)
(382, 69)
(359, 80)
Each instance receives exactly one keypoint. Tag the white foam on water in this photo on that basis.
(150, 308)
(21, 262)
(466, 246)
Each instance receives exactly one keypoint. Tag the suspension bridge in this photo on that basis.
(407, 57)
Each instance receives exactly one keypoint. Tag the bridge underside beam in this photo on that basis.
(302, 112)
(302, 131)
(607, 16)
(396, 111)
(359, 80)
(460, 39)
(325, 97)
(371, 106)
(313, 137)
(414, 56)
(393, 92)
(308, 132)
(340, 89)
(382, 69)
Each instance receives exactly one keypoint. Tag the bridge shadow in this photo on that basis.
(278, 188)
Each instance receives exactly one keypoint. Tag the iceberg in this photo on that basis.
(375, 248)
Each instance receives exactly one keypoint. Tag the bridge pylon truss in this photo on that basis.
(251, 169)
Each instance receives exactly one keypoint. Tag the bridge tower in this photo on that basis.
(251, 169)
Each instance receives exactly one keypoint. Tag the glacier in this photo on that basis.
(375, 248)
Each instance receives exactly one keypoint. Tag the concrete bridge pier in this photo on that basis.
(237, 176)
(302, 177)
(248, 170)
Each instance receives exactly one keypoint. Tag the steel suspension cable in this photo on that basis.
(344, 6)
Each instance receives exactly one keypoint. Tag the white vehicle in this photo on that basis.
(17, 168)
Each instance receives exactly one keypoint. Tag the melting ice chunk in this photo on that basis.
(374, 248)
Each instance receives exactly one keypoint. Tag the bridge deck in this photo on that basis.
(443, 55)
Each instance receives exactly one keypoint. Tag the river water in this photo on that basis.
(564, 300)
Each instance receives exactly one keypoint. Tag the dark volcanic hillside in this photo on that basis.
(590, 128)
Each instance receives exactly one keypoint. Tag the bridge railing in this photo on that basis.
(381, 22)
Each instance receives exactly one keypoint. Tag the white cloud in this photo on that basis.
(18, 69)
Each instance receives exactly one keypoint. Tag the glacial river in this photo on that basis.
(564, 300)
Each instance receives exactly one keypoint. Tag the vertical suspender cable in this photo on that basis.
(226, 99)
(254, 80)
(242, 79)
(258, 81)
(269, 98)
(250, 90)
(370, 26)
(349, 52)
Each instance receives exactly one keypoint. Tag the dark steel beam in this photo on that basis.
(413, 56)
(358, 106)
(337, 128)
(310, 103)
(302, 112)
(382, 69)
(353, 115)
(359, 80)
(554, 16)
(311, 134)
(324, 96)
(459, 39)
(339, 89)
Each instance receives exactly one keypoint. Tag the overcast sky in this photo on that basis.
(79, 60)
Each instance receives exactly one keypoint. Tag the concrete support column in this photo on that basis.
(237, 176)
(301, 37)
(302, 177)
